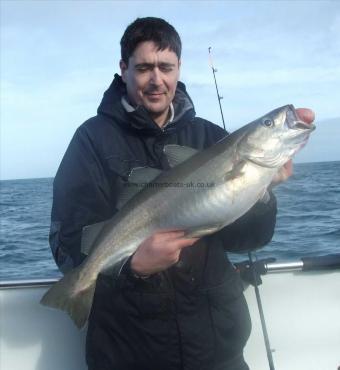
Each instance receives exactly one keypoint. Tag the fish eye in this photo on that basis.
(268, 122)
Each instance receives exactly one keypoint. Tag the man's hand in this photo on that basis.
(159, 251)
(308, 116)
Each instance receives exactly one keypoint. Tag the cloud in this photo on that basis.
(57, 58)
(259, 78)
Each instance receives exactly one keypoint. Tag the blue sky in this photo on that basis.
(58, 57)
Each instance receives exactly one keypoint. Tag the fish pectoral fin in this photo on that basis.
(200, 231)
(176, 154)
(89, 235)
(235, 172)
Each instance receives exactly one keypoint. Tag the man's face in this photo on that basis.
(151, 79)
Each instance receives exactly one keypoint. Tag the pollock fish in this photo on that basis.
(202, 193)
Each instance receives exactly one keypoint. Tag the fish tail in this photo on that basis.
(71, 296)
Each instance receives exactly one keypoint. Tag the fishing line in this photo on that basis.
(251, 264)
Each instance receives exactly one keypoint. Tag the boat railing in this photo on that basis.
(263, 266)
(315, 263)
(27, 283)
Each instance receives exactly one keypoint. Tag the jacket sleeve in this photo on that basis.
(253, 230)
(81, 196)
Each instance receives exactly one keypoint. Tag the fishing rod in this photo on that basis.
(219, 97)
(251, 264)
(257, 280)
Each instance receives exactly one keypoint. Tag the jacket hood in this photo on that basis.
(139, 119)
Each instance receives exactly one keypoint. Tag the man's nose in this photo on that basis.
(156, 76)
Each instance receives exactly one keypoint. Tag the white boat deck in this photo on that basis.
(302, 312)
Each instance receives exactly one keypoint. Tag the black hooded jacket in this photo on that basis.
(191, 316)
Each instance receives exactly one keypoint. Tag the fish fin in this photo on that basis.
(139, 175)
(176, 154)
(89, 235)
(137, 180)
(235, 172)
(202, 230)
(66, 295)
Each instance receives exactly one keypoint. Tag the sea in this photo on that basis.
(308, 221)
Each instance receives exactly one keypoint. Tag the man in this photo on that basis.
(176, 303)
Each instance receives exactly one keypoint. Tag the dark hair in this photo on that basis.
(149, 29)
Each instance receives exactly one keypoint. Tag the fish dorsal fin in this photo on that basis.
(89, 235)
(138, 178)
(176, 154)
(141, 175)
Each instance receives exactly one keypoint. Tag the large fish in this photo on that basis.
(202, 193)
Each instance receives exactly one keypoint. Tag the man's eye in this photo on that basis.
(166, 68)
(142, 69)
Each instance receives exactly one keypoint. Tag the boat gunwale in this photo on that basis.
(273, 267)
(27, 283)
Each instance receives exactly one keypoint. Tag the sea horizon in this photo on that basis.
(51, 177)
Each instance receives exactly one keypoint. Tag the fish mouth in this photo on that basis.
(295, 123)
(301, 125)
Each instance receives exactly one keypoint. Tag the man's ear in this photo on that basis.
(123, 68)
